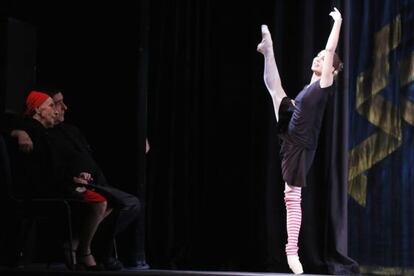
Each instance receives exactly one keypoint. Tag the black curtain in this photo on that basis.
(95, 54)
(215, 194)
(214, 190)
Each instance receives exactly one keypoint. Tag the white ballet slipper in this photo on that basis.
(294, 264)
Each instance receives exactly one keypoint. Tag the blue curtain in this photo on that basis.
(381, 156)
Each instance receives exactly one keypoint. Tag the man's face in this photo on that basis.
(60, 108)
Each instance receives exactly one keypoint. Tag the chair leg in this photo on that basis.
(115, 249)
(26, 243)
(70, 234)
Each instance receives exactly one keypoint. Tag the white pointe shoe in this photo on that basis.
(266, 45)
(265, 29)
(294, 264)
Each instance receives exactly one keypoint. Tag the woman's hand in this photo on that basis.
(335, 14)
(79, 180)
(83, 178)
(86, 176)
(24, 140)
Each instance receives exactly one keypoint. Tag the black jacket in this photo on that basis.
(42, 173)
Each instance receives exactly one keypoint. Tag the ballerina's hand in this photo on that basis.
(335, 14)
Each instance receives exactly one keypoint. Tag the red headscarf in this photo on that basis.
(34, 100)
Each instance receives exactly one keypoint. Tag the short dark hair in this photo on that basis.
(51, 91)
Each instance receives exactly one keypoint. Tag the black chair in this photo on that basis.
(27, 211)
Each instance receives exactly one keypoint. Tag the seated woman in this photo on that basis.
(50, 175)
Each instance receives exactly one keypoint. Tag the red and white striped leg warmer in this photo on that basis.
(294, 218)
(293, 223)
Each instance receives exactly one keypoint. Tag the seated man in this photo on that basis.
(71, 145)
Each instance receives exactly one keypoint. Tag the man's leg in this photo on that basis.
(131, 224)
(126, 210)
(132, 242)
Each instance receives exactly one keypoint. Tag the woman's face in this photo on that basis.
(46, 113)
(317, 63)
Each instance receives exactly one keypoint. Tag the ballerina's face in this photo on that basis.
(317, 63)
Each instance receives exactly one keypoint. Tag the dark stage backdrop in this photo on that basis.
(95, 54)
(381, 179)
(215, 194)
(214, 191)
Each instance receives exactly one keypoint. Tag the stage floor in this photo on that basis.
(60, 269)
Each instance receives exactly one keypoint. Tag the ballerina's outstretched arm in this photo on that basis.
(327, 76)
